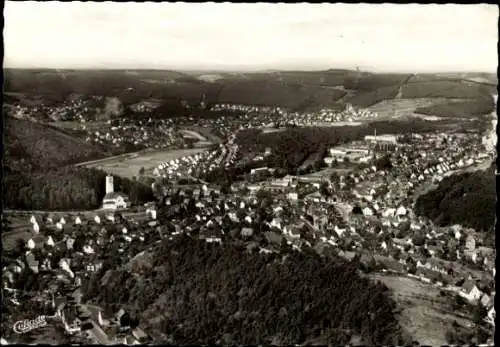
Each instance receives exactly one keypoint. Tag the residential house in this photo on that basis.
(32, 262)
(486, 300)
(123, 318)
(393, 265)
(491, 316)
(470, 243)
(470, 291)
(115, 201)
(434, 265)
(246, 232)
(273, 238)
(140, 335)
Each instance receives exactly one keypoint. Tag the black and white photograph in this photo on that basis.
(289, 174)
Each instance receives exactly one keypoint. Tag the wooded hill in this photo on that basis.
(205, 293)
(468, 199)
(296, 90)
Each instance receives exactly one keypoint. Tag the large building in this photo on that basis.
(114, 200)
(384, 142)
(389, 139)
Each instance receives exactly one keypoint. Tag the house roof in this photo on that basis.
(468, 286)
(120, 313)
(100, 334)
(114, 195)
(138, 333)
(273, 237)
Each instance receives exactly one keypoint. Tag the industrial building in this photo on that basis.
(383, 142)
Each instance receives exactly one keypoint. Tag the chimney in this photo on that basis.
(109, 184)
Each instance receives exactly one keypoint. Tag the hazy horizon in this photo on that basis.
(284, 37)
(243, 70)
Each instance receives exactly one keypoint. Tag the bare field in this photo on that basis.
(398, 108)
(425, 314)
(72, 125)
(129, 166)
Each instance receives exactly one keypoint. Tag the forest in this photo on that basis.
(468, 199)
(66, 188)
(208, 293)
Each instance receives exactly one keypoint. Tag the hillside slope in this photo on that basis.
(296, 90)
(266, 92)
(29, 144)
(38, 174)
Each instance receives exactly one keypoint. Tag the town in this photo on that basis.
(361, 204)
(254, 174)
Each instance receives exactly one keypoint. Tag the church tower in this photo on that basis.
(109, 184)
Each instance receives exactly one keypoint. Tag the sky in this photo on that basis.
(226, 36)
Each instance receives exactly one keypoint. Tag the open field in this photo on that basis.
(9, 240)
(397, 108)
(425, 315)
(129, 165)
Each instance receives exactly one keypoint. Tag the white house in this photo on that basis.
(470, 291)
(88, 249)
(115, 201)
(30, 244)
(63, 264)
(367, 211)
(401, 211)
(69, 243)
(246, 232)
(491, 316)
(50, 241)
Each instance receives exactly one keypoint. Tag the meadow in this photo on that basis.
(425, 314)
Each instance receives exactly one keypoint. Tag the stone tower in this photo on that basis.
(109, 184)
